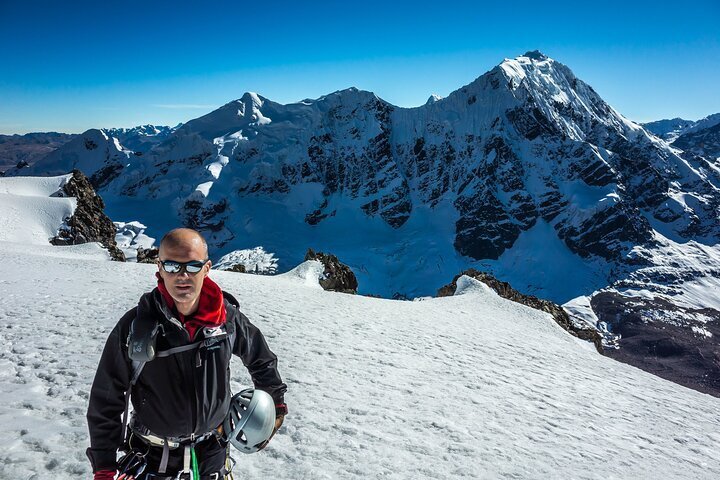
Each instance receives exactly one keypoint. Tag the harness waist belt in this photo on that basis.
(186, 476)
(171, 442)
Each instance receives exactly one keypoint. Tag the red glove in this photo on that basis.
(104, 475)
(281, 409)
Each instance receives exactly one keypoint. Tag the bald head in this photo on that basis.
(184, 246)
(184, 238)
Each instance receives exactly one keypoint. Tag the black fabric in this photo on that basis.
(179, 395)
(186, 476)
(210, 453)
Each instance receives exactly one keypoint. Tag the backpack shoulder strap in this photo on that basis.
(137, 369)
(230, 326)
(141, 349)
(232, 310)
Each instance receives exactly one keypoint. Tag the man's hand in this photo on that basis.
(278, 423)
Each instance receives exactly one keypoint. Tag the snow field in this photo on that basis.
(470, 386)
(31, 214)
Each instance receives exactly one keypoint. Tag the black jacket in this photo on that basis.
(178, 395)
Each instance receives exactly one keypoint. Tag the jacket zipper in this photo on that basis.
(192, 374)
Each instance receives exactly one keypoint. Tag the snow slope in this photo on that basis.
(255, 260)
(31, 211)
(470, 386)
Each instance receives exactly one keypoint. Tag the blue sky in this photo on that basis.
(73, 65)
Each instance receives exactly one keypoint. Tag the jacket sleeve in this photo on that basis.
(261, 362)
(107, 399)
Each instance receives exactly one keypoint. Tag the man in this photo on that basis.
(182, 398)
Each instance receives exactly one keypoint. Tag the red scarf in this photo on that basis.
(211, 307)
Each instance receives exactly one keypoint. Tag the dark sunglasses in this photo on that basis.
(192, 267)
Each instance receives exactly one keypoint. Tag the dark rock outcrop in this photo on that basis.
(681, 348)
(89, 222)
(147, 255)
(238, 267)
(506, 291)
(337, 277)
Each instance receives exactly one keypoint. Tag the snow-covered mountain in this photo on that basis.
(700, 137)
(141, 138)
(376, 389)
(526, 150)
(526, 172)
(670, 130)
(102, 151)
(27, 149)
(97, 155)
(703, 139)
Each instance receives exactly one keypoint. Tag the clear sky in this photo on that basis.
(72, 65)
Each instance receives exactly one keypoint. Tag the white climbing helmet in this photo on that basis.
(250, 420)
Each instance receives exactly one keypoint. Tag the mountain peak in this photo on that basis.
(519, 67)
(252, 98)
(350, 95)
(536, 55)
(433, 98)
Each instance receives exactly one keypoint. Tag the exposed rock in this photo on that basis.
(607, 233)
(337, 276)
(239, 268)
(530, 122)
(105, 175)
(506, 291)
(673, 342)
(319, 214)
(147, 255)
(89, 222)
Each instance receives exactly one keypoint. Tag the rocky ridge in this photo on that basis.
(504, 289)
(337, 277)
(89, 222)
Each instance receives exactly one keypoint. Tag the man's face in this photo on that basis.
(185, 287)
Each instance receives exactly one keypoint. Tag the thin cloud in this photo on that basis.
(183, 106)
